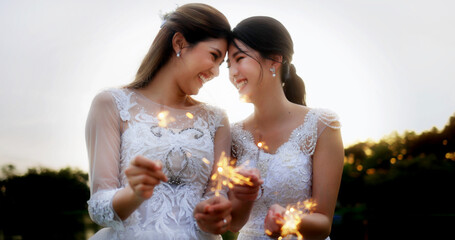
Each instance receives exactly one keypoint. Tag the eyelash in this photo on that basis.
(236, 60)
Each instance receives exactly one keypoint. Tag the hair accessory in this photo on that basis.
(163, 22)
(273, 71)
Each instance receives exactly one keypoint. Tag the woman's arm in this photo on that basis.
(242, 198)
(327, 171)
(214, 214)
(110, 203)
(143, 175)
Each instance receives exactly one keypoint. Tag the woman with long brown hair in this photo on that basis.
(146, 141)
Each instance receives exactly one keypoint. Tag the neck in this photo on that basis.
(270, 107)
(163, 89)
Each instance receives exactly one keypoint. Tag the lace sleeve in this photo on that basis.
(102, 134)
(327, 118)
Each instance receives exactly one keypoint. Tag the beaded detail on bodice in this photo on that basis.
(287, 173)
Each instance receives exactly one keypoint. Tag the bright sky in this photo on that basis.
(383, 66)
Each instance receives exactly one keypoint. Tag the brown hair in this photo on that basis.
(196, 22)
(269, 37)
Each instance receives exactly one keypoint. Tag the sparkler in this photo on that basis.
(227, 175)
(293, 216)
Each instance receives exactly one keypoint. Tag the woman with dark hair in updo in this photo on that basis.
(146, 141)
(302, 153)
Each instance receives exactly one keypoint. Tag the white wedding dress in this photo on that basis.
(287, 173)
(122, 124)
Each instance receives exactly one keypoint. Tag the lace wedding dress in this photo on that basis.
(287, 173)
(122, 124)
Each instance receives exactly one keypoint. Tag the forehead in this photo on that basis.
(233, 48)
(219, 43)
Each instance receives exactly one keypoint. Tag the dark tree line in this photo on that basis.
(399, 188)
(43, 204)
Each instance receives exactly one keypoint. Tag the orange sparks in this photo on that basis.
(294, 215)
(226, 175)
(189, 115)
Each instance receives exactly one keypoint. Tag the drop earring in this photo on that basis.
(273, 71)
(178, 53)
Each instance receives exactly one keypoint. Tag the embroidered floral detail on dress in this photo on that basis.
(180, 146)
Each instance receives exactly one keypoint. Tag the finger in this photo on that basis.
(201, 207)
(220, 207)
(143, 162)
(207, 218)
(143, 179)
(246, 197)
(158, 174)
(245, 189)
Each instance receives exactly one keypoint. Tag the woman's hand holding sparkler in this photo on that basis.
(213, 215)
(143, 175)
(248, 192)
(274, 221)
(243, 194)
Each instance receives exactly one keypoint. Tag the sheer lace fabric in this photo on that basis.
(122, 124)
(287, 173)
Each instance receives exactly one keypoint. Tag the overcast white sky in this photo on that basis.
(383, 66)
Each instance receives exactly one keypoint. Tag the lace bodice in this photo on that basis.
(287, 173)
(123, 124)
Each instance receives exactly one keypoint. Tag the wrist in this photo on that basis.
(133, 196)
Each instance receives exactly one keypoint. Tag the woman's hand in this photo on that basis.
(245, 192)
(143, 175)
(213, 215)
(274, 221)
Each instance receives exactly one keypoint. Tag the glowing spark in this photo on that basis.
(294, 215)
(205, 160)
(164, 118)
(226, 175)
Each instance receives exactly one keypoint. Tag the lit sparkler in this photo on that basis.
(227, 175)
(293, 216)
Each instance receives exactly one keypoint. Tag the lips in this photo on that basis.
(204, 78)
(240, 83)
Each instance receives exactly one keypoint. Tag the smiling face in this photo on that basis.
(200, 64)
(245, 72)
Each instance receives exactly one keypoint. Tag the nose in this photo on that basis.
(215, 70)
(232, 73)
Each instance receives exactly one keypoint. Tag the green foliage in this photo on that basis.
(44, 204)
(403, 180)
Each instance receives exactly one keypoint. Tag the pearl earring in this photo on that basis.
(178, 53)
(273, 71)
